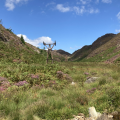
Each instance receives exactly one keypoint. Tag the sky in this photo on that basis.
(71, 23)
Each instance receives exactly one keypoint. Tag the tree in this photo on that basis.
(22, 39)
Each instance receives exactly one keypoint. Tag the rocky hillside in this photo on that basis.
(13, 49)
(104, 48)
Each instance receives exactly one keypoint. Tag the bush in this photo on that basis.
(114, 96)
(102, 81)
(83, 100)
(10, 30)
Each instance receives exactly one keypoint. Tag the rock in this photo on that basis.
(81, 114)
(105, 116)
(93, 113)
(73, 83)
(79, 118)
(116, 115)
(92, 79)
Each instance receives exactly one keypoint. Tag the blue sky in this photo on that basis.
(72, 23)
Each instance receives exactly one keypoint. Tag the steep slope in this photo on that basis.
(85, 51)
(108, 52)
(12, 49)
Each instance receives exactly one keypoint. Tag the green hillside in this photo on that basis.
(30, 89)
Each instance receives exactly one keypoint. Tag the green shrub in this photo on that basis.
(115, 76)
(102, 81)
(114, 96)
(83, 100)
(10, 30)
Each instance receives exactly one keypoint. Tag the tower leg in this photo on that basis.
(52, 58)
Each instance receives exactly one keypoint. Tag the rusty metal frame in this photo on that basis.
(49, 51)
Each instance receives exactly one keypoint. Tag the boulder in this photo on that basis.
(73, 83)
(93, 115)
(105, 116)
(91, 79)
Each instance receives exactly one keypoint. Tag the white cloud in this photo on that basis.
(118, 15)
(79, 10)
(82, 10)
(117, 31)
(93, 10)
(107, 1)
(62, 9)
(10, 4)
(37, 41)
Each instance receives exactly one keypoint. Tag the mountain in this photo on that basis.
(63, 52)
(14, 49)
(60, 55)
(98, 50)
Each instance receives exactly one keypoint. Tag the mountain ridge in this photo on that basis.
(104, 48)
(87, 52)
